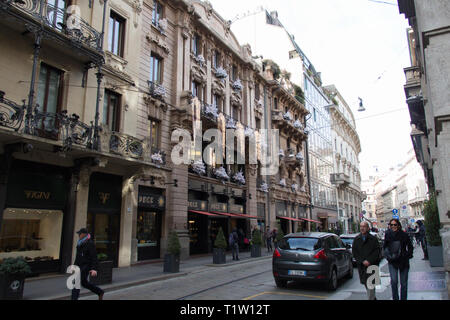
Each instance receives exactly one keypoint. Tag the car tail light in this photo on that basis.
(321, 255)
(276, 254)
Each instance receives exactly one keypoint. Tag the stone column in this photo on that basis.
(177, 207)
(81, 204)
(128, 210)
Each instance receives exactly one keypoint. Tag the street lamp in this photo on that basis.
(361, 106)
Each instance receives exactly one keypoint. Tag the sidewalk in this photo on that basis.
(54, 287)
(424, 282)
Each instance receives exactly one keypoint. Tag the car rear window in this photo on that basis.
(306, 244)
(348, 240)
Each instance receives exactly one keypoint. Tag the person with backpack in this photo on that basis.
(268, 236)
(233, 240)
(398, 249)
(422, 239)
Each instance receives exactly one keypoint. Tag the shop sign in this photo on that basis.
(219, 207)
(151, 201)
(198, 205)
(105, 192)
(236, 208)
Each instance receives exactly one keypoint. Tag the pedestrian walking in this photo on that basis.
(366, 251)
(268, 236)
(274, 237)
(421, 237)
(398, 250)
(233, 240)
(86, 260)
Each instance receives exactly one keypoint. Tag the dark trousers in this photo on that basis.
(235, 251)
(86, 284)
(393, 271)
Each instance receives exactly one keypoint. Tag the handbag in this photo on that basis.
(393, 251)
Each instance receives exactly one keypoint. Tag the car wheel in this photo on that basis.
(280, 283)
(332, 283)
(350, 271)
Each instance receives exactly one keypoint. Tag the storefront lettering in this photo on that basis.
(37, 195)
(104, 197)
(151, 200)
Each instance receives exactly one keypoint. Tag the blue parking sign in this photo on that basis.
(394, 211)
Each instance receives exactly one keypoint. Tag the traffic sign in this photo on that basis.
(395, 217)
(394, 211)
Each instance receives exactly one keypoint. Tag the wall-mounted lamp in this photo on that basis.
(174, 183)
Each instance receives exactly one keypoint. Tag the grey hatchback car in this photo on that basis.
(311, 256)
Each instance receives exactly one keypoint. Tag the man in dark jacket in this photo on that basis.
(86, 260)
(366, 251)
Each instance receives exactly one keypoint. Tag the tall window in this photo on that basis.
(50, 89)
(157, 13)
(216, 102)
(111, 110)
(235, 113)
(116, 38)
(257, 91)
(54, 15)
(216, 59)
(155, 69)
(234, 73)
(154, 133)
(196, 45)
(196, 90)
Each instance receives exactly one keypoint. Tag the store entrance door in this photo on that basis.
(105, 228)
(149, 235)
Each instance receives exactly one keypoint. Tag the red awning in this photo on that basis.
(226, 214)
(204, 213)
(289, 218)
(247, 216)
(311, 220)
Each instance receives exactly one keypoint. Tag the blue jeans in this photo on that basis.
(393, 271)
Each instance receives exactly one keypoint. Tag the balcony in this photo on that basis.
(293, 159)
(339, 179)
(293, 128)
(66, 133)
(55, 22)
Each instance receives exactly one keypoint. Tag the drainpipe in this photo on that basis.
(99, 82)
(266, 118)
(308, 174)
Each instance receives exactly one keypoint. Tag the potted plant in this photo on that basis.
(220, 245)
(104, 272)
(12, 278)
(256, 244)
(172, 257)
(432, 226)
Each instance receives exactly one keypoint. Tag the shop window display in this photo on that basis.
(32, 233)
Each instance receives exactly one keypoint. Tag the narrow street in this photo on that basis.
(251, 280)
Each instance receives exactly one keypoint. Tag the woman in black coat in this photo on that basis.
(398, 249)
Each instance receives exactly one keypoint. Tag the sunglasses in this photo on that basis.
(394, 225)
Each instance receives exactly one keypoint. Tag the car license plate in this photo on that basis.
(296, 273)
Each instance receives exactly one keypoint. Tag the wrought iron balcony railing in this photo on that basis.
(69, 24)
(71, 132)
(11, 114)
(156, 90)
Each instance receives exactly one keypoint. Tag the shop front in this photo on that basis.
(282, 216)
(151, 208)
(34, 216)
(104, 211)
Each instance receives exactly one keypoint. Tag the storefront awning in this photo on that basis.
(315, 221)
(246, 216)
(225, 214)
(204, 213)
(289, 218)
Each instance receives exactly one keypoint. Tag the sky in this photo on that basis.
(361, 47)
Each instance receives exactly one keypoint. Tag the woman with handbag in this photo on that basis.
(398, 249)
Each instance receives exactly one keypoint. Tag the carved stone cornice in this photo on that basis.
(160, 42)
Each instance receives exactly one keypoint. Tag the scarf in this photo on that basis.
(81, 241)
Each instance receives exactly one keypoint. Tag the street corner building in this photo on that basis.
(91, 93)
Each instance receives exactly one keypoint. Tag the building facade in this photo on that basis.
(427, 94)
(261, 29)
(346, 175)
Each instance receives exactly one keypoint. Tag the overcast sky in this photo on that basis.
(361, 47)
